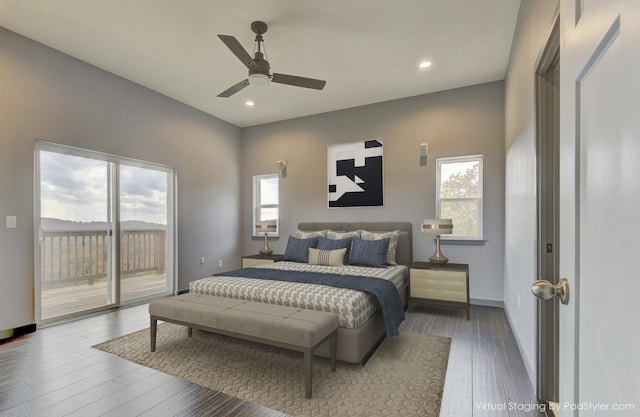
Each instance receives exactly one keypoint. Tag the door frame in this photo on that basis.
(114, 220)
(547, 82)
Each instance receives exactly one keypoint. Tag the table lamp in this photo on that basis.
(266, 227)
(438, 227)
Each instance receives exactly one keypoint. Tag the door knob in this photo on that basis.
(545, 290)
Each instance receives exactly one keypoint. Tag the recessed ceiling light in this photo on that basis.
(424, 64)
(249, 103)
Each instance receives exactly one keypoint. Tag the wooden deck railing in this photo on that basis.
(74, 256)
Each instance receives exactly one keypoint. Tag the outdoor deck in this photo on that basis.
(61, 301)
(74, 268)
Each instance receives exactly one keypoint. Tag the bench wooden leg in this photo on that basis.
(308, 370)
(332, 350)
(189, 331)
(153, 327)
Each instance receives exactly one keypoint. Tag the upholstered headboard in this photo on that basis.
(404, 255)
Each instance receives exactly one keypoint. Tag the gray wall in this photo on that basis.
(47, 95)
(535, 21)
(456, 122)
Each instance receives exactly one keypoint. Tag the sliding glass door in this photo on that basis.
(143, 232)
(104, 231)
(75, 223)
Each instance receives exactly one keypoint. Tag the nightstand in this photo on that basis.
(250, 261)
(441, 285)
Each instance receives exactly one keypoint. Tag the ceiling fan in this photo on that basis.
(259, 68)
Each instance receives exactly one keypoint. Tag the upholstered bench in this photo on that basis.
(286, 327)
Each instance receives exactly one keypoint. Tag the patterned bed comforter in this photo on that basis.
(353, 307)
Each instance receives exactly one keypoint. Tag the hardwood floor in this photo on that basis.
(486, 375)
(55, 372)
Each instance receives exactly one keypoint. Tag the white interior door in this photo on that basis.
(599, 207)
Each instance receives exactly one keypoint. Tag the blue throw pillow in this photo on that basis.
(298, 249)
(369, 252)
(331, 244)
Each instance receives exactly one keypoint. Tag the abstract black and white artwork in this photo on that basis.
(355, 174)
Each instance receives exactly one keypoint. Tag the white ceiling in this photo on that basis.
(367, 50)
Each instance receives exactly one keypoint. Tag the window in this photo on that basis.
(459, 195)
(265, 200)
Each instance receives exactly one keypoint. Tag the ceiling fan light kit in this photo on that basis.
(259, 80)
(259, 68)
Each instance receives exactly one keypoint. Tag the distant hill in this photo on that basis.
(58, 224)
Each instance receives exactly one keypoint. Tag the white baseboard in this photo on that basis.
(486, 303)
(530, 367)
(500, 304)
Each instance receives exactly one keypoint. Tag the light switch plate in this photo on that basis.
(11, 222)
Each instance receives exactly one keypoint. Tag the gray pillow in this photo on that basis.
(330, 244)
(298, 249)
(393, 242)
(369, 252)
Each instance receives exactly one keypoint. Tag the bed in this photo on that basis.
(361, 326)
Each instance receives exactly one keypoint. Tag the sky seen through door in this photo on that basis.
(74, 188)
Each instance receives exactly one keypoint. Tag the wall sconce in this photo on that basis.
(424, 148)
(282, 166)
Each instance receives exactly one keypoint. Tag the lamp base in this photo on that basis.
(438, 258)
(266, 250)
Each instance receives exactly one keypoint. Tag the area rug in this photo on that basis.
(404, 376)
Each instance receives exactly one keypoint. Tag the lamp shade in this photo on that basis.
(437, 226)
(267, 226)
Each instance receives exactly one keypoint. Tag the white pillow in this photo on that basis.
(301, 234)
(341, 235)
(326, 257)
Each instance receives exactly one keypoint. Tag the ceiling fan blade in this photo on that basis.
(232, 90)
(298, 81)
(237, 49)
